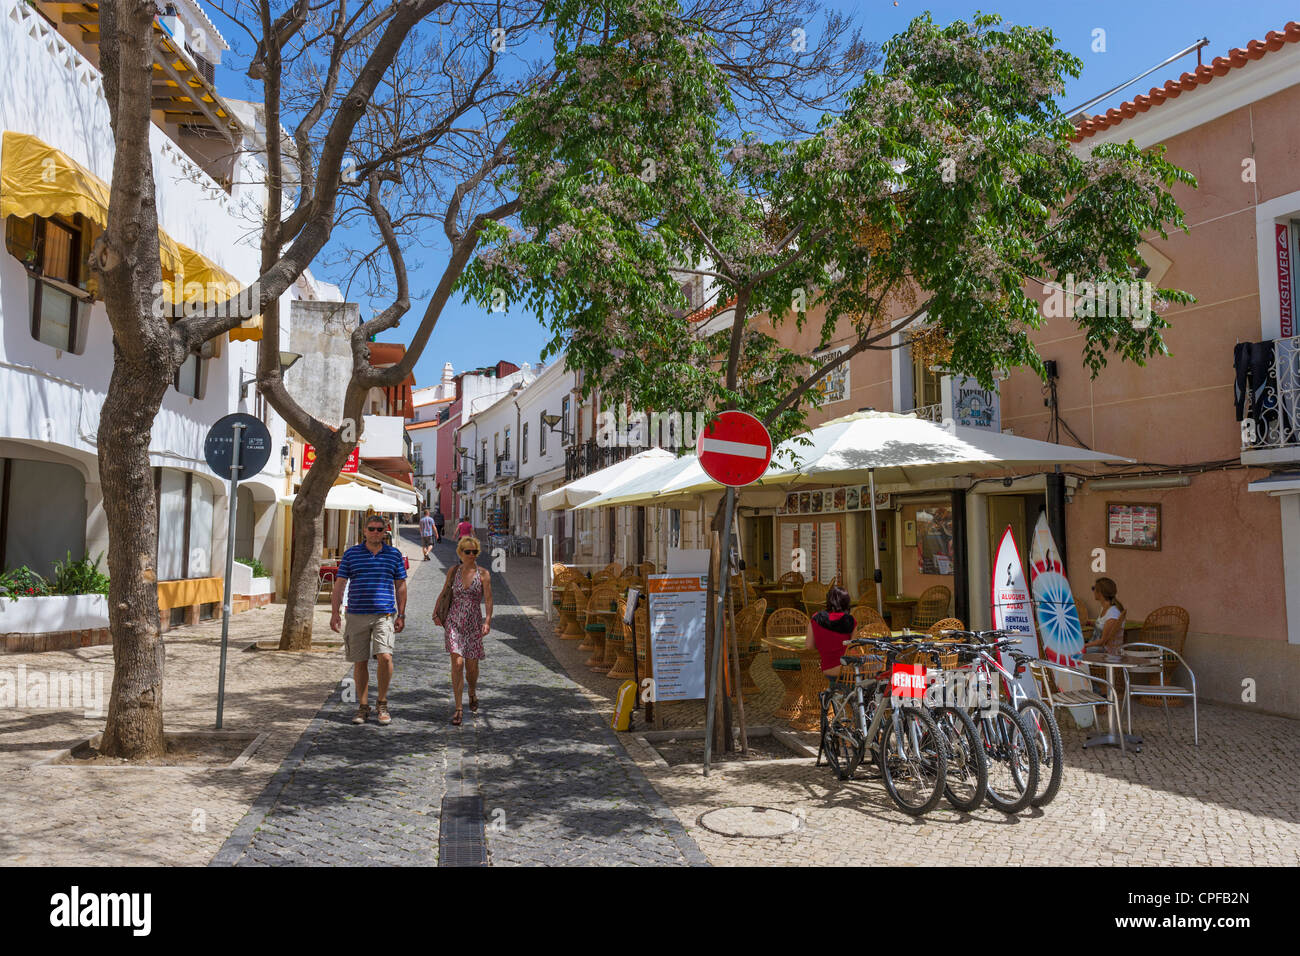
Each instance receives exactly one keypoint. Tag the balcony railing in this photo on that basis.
(417, 463)
(583, 459)
(480, 473)
(931, 413)
(1269, 379)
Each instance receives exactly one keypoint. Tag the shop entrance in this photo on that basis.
(1021, 513)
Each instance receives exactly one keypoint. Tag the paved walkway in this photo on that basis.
(556, 785)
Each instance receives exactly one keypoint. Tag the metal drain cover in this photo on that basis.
(751, 821)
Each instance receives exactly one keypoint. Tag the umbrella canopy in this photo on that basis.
(594, 484)
(355, 497)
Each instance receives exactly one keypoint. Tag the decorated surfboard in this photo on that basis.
(1012, 609)
(1058, 617)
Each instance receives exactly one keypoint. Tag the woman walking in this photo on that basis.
(465, 625)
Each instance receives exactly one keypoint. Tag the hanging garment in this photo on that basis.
(1253, 364)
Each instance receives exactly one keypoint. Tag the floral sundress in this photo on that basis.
(464, 627)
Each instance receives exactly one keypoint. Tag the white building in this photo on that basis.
(56, 349)
(490, 424)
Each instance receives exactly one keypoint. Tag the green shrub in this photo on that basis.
(79, 577)
(259, 569)
(23, 582)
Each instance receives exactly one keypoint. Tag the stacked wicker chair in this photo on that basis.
(602, 597)
(932, 607)
(569, 609)
(787, 622)
(621, 669)
(814, 597)
(749, 623)
(644, 654)
(615, 637)
(866, 614)
(576, 598)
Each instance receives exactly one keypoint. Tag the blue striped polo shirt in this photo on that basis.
(370, 579)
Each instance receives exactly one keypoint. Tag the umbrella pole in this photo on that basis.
(875, 544)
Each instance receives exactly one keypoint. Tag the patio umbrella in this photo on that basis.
(590, 486)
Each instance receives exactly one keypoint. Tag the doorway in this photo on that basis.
(1020, 512)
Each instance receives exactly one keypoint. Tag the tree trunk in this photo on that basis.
(134, 728)
(308, 538)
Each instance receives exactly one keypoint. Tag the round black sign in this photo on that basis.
(254, 445)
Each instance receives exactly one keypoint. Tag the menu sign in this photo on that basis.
(677, 606)
(1133, 526)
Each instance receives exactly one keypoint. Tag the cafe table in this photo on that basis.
(800, 704)
(900, 608)
(778, 598)
(1113, 663)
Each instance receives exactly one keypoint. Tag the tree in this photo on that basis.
(944, 191)
(151, 339)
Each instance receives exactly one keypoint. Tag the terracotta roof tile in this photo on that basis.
(1237, 57)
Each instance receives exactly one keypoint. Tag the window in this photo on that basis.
(541, 433)
(191, 377)
(926, 388)
(507, 451)
(185, 515)
(566, 434)
(523, 443)
(54, 252)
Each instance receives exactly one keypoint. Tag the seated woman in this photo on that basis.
(1108, 630)
(830, 629)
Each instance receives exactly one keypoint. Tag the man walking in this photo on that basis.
(427, 532)
(439, 521)
(376, 576)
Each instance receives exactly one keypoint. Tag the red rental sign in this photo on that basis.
(735, 450)
(349, 467)
(907, 680)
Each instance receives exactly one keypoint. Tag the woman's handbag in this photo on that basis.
(443, 606)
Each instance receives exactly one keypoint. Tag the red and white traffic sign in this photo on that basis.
(735, 450)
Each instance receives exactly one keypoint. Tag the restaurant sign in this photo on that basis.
(971, 405)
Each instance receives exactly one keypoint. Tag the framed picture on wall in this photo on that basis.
(791, 504)
(839, 499)
(816, 502)
(805, 505)
(1133, 525)
(909, 534)
(828, 501)
(851, 499)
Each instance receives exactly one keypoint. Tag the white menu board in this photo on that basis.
(828, 551)
(677, 606)
(786, 555)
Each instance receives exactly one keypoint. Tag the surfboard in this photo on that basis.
(1058, 617)
(1011, 606)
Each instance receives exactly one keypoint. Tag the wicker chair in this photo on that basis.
(575, 597)
(621, 669)
(947, 624)
(644, 654)
(814, 597)
(791, 579)
(932, 607)
(866, 614)
(749, 621)
(615, 637)
(754, 575)
(602, 597)
(787, 622)
(646, 568)
(613, 569)
(875, 660)
(568, 607)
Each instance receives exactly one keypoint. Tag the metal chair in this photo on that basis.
(1159, 657)
(932, 606)
(1041, 670)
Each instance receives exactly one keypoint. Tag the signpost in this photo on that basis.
(238, 446)
(734, 451)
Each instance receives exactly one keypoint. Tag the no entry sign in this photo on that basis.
(735, 450)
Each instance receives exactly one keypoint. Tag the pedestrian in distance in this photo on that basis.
(439, 524)
(428, 531)
(376, 582)
(465, 625)
(462, 530)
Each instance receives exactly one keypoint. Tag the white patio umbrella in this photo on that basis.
(590, 486)
(352, 496)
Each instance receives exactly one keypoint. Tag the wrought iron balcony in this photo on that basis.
(580, 460)
(480, 473)
(1268, 393)
(931, 413)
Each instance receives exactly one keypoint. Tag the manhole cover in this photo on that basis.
(750, 821)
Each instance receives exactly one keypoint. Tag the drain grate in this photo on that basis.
(460, 832)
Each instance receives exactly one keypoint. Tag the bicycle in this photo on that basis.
(968, 766)
(904, 739)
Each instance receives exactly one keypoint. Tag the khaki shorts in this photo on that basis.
(368, 635)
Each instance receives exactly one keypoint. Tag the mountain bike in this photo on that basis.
(968, 766)
(905, 742)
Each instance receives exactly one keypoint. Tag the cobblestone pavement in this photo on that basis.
(1231, 801)
(75, 816)
(556, 785)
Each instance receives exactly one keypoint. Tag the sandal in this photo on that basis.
(473, 703)
(455, 718)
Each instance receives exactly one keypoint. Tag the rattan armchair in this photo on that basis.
(787, 622)
(866, 614)
(791, 579)
(749, 623)
(947, 624)
(932, 607)
(576, 608)
(598, 621)
(814, 597)
(644, 649)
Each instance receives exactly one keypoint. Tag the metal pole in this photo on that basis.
(875, 544)
(230, 567)
(547, 577)
(716, 675)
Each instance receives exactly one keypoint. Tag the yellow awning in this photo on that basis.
(38, 180)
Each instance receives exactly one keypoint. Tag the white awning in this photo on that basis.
(353, 496)
(589, 486)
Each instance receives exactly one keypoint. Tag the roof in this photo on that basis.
(412, 427)
(1237, 57)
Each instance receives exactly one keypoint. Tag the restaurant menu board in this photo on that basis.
(819, 548)
(677, 607)
(1133, 526)
(828, 551)
(934, 540)
(848, 498)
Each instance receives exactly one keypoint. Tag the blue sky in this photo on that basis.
(1138, 34)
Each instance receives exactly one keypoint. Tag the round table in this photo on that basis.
(900, 609)
(778, 598)
(1112, 664)
(800, 705)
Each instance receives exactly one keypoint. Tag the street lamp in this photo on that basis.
(551, 421)
(287, 361)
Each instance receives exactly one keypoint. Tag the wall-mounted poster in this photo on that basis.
(816, 502)
(851, 499)
(909, 534)
(791, 504)
(804, 505)
(839, 499)
(828, 501)
(934, 540)
(1133, 525)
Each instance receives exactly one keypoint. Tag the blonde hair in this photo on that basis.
(466, 541)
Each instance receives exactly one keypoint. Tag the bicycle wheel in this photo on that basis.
(1047, 739)
(1013, 759)
(968, 768)
(841, 741)
(914, 760)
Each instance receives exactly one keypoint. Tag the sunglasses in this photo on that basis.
(376, 529)
(468, 551)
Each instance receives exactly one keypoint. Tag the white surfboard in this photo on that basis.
(1058, 618)
(1012, 609)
